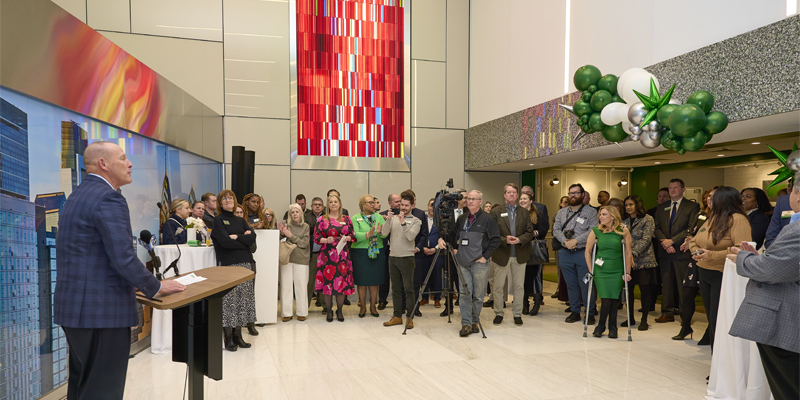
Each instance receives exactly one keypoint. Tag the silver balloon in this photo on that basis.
(649, 142)
(636, 113)
(655, 134)
(635, 130)
(655, 126)
(645, 129)
(793, 161)
(635, 137)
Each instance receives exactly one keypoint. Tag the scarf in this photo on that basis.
(372, 250)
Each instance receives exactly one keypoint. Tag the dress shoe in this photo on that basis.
(685, 331)
(287, 319)
(382, 305)
(376, 315)
(643, 326)
(346, 301)
(237, 338)
(329, 317)
(538, 302)
(554, 295)
(423, 302)
(517, 320)
(362, 315)
(410, 323)
(598, 331)
(591, 320)
(498, 320)
(465, 331)
(612, 333)
(251, 329)
(526, 308)
(488, 304)
(444, 313)
(665, 318)
(624, 324)
(573, 317)
(437, 304)
(301, 318)
(475, 328)
(394, 321)
(339, 316)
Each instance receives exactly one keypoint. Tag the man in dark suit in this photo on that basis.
(663, 196)
(675, 219)
(780, 217)
(516, 233)
(98, 272)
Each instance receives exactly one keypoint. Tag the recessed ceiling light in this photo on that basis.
(756, 143)
(658, 162)
(720, 155)
(746, 165)
(530, 164)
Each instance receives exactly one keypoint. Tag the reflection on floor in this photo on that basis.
(545, 358)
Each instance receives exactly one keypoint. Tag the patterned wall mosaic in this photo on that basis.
(751, 75)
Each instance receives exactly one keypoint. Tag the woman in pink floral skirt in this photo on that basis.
(334, 269)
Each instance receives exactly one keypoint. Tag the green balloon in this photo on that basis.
(668, 144)
(608, 83)
(587, 128)
(664, 113)
(614, 133)
(595, 123)
(581, 108)
(586, 96)
(600, 99)
(702, 98)
(708, 135)
(686, 120)
(585, 118)
(716, 122)
(592, 89)
(586, 76)
(616, 99)
(694, 142)
(668, 135)
(681, 151)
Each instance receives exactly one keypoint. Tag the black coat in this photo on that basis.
(174, 230)
(232, 251)
(759, 222)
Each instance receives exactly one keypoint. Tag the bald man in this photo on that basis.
(98, 272)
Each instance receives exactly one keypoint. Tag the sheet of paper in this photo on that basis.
(190, 279)
(341, 245)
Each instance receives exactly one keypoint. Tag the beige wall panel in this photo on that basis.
(272, 182)
(351, 185)
(745, 177)
(490, 183)
(267, 137)
(193, 65)
(429, 30)
(382, 184)
(706, 178)
(109, 15)
(190, 19)
(213, 137)
(438, 156)
(551, 195)
(428, 94)
(74, 7)
(257, 58)
(457, 64)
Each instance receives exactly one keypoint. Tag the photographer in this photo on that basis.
(401, 256)
(475, 238)
(570, 230)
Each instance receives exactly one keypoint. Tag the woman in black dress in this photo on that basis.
(533, 271)
(233, 238)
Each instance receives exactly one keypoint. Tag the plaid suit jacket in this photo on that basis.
(97, 267)
(768, 314)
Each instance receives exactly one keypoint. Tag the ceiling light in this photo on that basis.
(756, 143)
(658, 162)
(530, 164)
(720, 155)
(554, 181)
(622, 182)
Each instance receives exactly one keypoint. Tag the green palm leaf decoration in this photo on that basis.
(783, 172)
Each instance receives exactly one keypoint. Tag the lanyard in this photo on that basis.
(468, 225)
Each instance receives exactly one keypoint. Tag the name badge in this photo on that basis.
(504, 215)
(787, 214)
(255, 220)
(599, 262)
(226, 222)
(580, 220)
(464, 242)
(668, 208)
(359, 219)
(702, 217)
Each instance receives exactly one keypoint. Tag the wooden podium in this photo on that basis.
(197, 322)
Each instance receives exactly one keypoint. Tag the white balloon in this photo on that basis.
(609, 114)
(625, 75)
(622, 112)
(674, 101)
(626, 125)
(639, 82)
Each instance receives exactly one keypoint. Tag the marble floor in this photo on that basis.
(545, 358)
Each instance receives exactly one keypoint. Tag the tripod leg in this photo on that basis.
(421, 291)
(624, 279)
(589, 298)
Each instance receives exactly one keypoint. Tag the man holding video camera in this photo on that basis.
(570, 230)
(475, 238)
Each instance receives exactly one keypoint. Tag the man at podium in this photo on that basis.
(97, 274)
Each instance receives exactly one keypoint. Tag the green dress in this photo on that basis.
(608, 277)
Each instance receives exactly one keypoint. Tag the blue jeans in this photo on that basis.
(573, 269)
(475, 278)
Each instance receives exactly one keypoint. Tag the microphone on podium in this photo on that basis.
(174, 264)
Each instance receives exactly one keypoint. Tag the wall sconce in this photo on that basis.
(622, 182)
(554, 181)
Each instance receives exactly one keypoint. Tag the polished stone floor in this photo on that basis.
(545, 358)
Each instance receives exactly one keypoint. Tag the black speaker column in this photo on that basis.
(249, 171)
(237, 183)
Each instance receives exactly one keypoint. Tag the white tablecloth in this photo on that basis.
(192, 259)
(736, 369)
(266, 258)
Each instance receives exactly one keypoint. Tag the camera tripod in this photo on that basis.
(449, 255)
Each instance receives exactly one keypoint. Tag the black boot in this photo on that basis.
(605, 305)
(237, 338)
(251, 329)
(538, 300)
(526, 306)
(229, 344)
(612, 319)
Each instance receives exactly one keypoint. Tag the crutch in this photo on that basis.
(589, 297)
(627, 300)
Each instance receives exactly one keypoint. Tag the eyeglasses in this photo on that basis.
(317, 205)
(229, 198)
(575, 193)
(474, 199)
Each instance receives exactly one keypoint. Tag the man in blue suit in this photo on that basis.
(780, 217)
(98, 272)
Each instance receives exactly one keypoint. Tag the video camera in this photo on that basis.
(444, 204)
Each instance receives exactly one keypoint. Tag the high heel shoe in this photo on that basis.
(363, 313)
(339, 316)
(685, 331)
(329, 318)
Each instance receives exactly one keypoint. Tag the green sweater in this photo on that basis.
(361, 227)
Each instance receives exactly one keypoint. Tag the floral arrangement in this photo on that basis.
(196, 223)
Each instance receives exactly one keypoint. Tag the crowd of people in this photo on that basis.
(676, 249)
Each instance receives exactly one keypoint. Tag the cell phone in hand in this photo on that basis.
(697, 252)
(396, 211)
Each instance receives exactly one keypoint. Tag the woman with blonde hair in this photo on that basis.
(367, 254)
(334, 268)
(173, 231)
(607, 267)
(533, 271)
(296, 231)
(269, 219)
(253, 211)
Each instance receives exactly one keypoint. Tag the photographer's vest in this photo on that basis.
(470, 243)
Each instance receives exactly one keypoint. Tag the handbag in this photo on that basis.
(284, 251)
(539, 252)
(556, 243)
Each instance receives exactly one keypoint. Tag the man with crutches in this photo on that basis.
(609, 266)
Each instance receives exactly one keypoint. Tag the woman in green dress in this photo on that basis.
(367, 254)
(608, 267)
